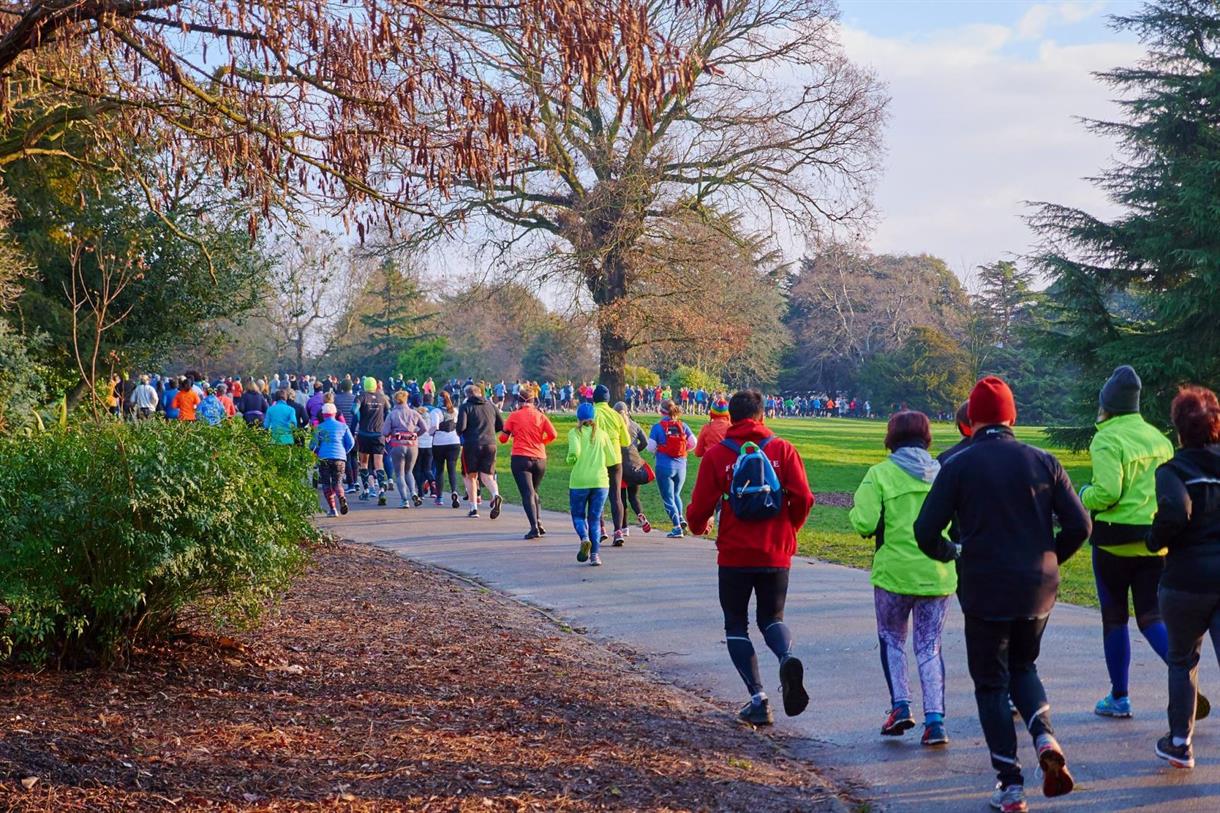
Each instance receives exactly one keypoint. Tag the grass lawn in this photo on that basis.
(837, 452)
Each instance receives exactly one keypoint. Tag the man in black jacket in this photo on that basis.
(1005, 497)
(478, 423)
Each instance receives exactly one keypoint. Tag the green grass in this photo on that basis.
(837, 452)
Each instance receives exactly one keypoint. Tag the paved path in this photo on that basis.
(659, 599)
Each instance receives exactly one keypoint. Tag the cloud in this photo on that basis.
(1041, 16)
(976, 129)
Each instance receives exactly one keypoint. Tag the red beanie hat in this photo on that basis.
(991, 402)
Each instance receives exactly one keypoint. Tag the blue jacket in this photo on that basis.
(280, 421)
(332, 440)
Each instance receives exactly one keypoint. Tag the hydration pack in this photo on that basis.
(754, 489)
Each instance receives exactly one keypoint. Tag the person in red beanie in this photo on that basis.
(1005, 497)
(754, 555)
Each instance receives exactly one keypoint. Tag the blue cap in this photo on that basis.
(585, 412)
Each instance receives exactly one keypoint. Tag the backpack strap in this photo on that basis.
(731, 444)
(763, 443)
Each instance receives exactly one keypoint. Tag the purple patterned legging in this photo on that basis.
(893, 612)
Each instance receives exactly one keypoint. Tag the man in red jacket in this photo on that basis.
(755, 555)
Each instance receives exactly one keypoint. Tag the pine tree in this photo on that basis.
(393, 321)
(1144, 288)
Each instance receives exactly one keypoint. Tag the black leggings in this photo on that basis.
(617, 514)
(768, 584)
(423, 471)
(528, 472)
(447, 456)
(1118, 576)
(632, 494)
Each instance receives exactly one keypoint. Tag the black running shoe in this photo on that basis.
(1203, 707)
(417, 500)
(342, 503)
(792, 684)
(474, 512)
(756, 713)
(531, 535)
(898, 722)
(1179, 756)
(496, 502)
(381, 498)
(541, 530)
(456, 502)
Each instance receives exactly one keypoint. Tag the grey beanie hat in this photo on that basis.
(1121, 394)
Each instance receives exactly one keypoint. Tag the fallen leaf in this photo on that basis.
(29, 782)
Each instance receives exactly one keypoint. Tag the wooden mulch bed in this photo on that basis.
(380, 685)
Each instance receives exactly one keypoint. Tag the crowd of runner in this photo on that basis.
(991, 520)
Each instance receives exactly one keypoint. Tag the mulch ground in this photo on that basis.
(379, 685)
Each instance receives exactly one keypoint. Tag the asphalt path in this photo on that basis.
(658, 599)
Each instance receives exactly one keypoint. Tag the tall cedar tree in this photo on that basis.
(1144, 288)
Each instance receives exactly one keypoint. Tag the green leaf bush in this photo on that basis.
(110, 531)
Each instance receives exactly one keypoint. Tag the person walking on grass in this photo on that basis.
(478, 422)
(636, 471)
(1006, 497)
(906, 584)
(671, 439)
(714, 430)
(755, 542)
(1126, 452)
(614, 426)
(331, 442)
(589, 450)
(401, 431)
(1187, 526)
(530, 431)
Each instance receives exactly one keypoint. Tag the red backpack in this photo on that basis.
(675, 444)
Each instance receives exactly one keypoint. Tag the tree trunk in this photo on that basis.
(609, 294)
(613, 361)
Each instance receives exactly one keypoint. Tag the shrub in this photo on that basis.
(112, 529)
(694, 378)
(640, 376)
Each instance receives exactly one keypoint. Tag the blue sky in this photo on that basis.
(983, 116)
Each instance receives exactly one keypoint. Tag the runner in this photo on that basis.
(446, 449)
(478, 422)
(615, 427)
(210, 409)
(1187, 525)
(636, 471)
(186, 400)
(331, 442)
(962, 419)
(345, 403)
(168, 397)
(530, 431)
(1122, 496)
(253, 404)
(371, 408)
(281, 419)
(589, 450)
(1006, 496)
(425, 468)
(671, 440)
(401, 432)
(713, 431)
(754, 553)
(906, 584)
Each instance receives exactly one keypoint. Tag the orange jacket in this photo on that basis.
(530, 432)
(710, 435)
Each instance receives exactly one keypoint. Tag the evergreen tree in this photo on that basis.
(1144, 288)
(393, 319)
(1005, 291)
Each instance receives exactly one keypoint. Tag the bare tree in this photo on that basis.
(770, 119)
(308, 289)
(94, 291)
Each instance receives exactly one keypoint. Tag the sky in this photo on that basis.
(985, 99)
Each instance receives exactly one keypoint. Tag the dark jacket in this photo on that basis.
(948, 454)
(1005, 496)
(1187, 520)
(635, 469)
(253, 405)
(478, 422)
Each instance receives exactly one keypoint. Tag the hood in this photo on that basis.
(1207, 459)
(475, 399)
(748, 430)
(916, 462)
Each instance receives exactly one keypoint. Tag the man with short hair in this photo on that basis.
(613, 424)
(755, 555)
(1006, 497)
(478, 424)
(144, 399)
(372, 408)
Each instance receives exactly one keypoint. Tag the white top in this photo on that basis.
(440, 438)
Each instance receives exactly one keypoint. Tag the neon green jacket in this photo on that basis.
(887, 503)
(1126, 451)
(590, 453)
(612, 423)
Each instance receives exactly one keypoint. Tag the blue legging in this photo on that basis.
(586, 506)
(670, 479)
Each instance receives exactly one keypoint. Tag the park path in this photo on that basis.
(658, 598)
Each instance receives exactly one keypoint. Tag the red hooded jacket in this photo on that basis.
(759, 543)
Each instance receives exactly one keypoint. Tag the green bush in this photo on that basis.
(110, 530)
(694, 378)
(640, 376)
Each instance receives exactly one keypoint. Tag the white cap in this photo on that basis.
(329, 409)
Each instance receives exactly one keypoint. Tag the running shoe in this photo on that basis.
(363, 496)
(1010, 799)
(417, 501)
(352, 489)
(898, 722)
(496, 502)
(381, 497)
(1203, 707)
(1056, 780)
(456, 502)
(541, 530)
(473, 513)
(685, 527)
(1111, 706)
(792, 685)
(404, 504)
(934, 734)
(343, 509)
(330, 512)
(438, 501)
(1179, 756)
(756, 713)
(531, 535)
(595, 560)
(619, 539)
(645, 525)
(676, 533)
(582, 555)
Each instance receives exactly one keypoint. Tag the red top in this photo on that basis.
(710, 435)
(758, 543)
(530, 430)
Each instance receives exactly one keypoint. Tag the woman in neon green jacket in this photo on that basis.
(906, 583)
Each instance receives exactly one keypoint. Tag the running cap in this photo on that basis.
(585, 412)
